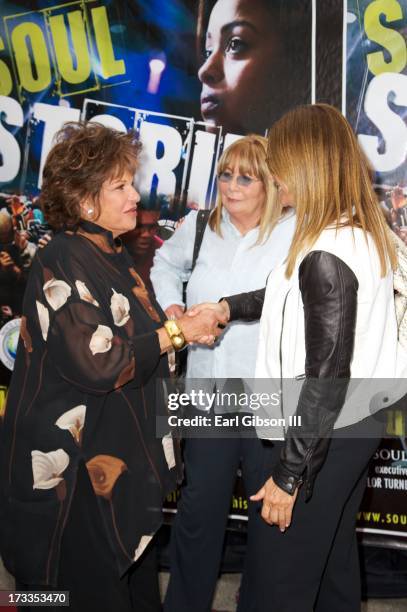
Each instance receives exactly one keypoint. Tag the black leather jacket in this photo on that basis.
(329, 293)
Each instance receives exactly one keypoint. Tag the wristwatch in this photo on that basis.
(175, 334)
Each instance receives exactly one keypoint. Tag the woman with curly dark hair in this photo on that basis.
(83, 473)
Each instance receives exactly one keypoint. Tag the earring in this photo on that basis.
(90, 212)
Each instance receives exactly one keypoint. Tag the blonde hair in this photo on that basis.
(314, 152)
(249, 154)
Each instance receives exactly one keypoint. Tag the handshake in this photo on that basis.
(202, 323)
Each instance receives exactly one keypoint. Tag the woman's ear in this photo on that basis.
(87, 209)
(285, 196)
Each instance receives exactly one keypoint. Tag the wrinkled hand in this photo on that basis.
(202, 327)
(175, 311)
(277, 504)
(221, 309)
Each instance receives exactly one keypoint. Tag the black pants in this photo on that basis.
(314, 565)
(199, 528)
(88, 569)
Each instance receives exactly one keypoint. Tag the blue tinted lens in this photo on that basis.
(244, 181)
(225, 177)
(241, 179)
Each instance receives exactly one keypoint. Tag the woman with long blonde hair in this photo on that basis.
(327, 318)
(245, 239)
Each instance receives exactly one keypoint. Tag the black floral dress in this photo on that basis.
(86, 387)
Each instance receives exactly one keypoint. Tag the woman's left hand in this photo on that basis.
(277, 504)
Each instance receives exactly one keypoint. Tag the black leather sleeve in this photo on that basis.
(246, 306)
(329, 293)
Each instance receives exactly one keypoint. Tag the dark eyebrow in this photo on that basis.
(233, 24)
(238, 22)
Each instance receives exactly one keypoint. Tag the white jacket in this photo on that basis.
(281, 351)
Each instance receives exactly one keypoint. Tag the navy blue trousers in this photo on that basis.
(198, 532)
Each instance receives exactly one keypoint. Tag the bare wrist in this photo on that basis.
(226, 309)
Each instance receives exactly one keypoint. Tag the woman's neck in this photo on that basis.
(243, 223)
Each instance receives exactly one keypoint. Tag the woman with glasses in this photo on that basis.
(246, 237)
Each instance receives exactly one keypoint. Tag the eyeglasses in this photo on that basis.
(241, 179)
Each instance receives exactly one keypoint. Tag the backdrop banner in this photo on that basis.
(150, 65)
(375, 102)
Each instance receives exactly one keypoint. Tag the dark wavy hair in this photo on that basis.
(83, 157)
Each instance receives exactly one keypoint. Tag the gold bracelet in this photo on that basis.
(175, 334)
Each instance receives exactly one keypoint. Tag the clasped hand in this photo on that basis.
(202, 323)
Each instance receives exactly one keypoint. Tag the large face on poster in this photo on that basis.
(376, 100)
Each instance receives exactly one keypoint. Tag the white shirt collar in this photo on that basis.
(227, 222)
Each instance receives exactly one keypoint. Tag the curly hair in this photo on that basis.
(83, 157)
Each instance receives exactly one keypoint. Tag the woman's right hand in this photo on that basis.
(222, 311)
(175, 311)
(220, 308)
(202, 326)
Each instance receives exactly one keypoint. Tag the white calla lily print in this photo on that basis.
(168, 447)
(142, 545)
(73, 420)
(43, 316)
(120, 307)
(48, 467)
(57, 292)
(101, 340)
(84, 293)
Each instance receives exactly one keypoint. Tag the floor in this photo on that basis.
(225, 600)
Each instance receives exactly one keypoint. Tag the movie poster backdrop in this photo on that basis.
(375, 102)
(151, 66)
